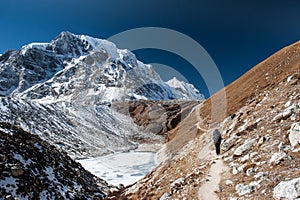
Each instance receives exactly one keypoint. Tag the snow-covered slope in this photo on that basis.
(82, 131)
(185, 89)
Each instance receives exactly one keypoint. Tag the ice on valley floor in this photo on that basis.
(121, 168)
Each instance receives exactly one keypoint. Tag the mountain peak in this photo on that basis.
(66, 34)
(79, 67)
(185, 88)
(67, 43)
(174, 82)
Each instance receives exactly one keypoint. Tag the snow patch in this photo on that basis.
(10, 186)
(22, 160)
(42, 46)
(39, 147)
(50, 173)
(98, 44)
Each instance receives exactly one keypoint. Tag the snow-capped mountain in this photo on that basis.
(60, 91)
(82, 69)
(185, 89)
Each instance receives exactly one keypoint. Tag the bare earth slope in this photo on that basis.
(264, 76)
(260, 148)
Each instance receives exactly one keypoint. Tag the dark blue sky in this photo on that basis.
(237, 34)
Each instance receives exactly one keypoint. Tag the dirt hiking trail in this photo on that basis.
(212, 179)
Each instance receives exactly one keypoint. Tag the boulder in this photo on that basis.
(244, 147)
(261, 140)
(285, 114)
(165, 196)
(287, 189)
(178, 182)
(228, 182)
(277, 158)
(17, 171)
(250, 171)
(242, 189)
(261, 175)
(227, 144)
(283, 147)
(294, 135)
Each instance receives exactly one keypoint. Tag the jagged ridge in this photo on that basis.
(73, 67)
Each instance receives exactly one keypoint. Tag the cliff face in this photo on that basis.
(260, 147)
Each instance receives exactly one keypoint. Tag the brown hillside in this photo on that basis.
(266, 104)
(263, 76)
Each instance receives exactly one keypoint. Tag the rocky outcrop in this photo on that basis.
(244, 147)
(287, 189)
(277, 158)
(158, 117)
(294, 135)
(230, 142)
(242, 189)
(32, 169)
(284, 114)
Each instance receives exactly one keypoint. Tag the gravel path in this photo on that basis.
(207, 154)
(207, 190)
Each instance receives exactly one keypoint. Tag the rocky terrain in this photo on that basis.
(80, 97)
(33, 169)
(260, 147)
(158, 117)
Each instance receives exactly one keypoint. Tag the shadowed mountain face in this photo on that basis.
(158, 117)
(33, 169)
(260, 147)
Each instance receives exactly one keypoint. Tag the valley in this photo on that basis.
(80, 117)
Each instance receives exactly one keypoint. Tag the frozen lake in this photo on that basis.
(125, 168)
